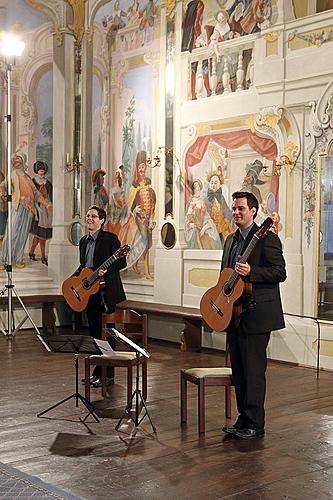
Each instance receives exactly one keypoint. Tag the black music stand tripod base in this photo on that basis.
(76, 344)
(139, 403)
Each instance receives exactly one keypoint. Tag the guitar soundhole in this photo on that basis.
(86, 284)
(227, 289)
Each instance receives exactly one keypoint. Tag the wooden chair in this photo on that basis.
(135, 326)
(202, 378)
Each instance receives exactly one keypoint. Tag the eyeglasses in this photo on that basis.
(89, 216)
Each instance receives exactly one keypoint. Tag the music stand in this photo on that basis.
(77, 344)
(137, 394)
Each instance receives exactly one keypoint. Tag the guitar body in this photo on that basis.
(216, 306)
(76, 293)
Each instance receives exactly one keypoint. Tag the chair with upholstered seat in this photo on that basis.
(134, 326)
(202, 378)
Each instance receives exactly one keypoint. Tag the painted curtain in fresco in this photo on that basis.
(208, 218)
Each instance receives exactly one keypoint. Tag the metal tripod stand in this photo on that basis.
(139, 402)
(76, 395)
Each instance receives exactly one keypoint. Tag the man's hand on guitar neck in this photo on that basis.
(101, 272)
(243, 269)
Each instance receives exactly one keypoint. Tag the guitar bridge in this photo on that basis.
(216, 308)
(76, 294)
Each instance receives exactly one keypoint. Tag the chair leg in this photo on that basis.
(144, 380)
(103, 380)
(183, 398)
(87, 379)
(201, 405)
(228, 402)
(129, 383)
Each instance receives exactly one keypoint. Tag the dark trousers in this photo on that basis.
(249, 362)
(94, 311)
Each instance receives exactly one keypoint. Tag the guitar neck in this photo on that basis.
(233, 278)
(103, 267)
(249, 249)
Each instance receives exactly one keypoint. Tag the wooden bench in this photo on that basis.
(46, 302)
(190, 336)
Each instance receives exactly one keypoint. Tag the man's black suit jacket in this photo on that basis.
(106, 245)
(267, 271)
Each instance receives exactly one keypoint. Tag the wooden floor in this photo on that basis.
(93, 461)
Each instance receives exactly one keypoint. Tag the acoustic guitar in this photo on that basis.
(219, 304)
(77, 289)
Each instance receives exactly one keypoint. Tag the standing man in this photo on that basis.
(249, 334)
(95, 249)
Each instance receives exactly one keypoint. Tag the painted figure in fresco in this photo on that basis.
(251, 179)
(223, 32)
(133, 13)
(41, 229)
(217, 206)
(118, 15)
(192, 38)
(200, 231)
(100, 194)
(257, 16)
(116, 21)
(142, 201)
(122, 221)
(268, 209)
(147, 18)
(25, 197)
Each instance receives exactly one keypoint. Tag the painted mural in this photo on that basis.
(133, 202)
(206, 23)
(134, 20)
(125, 190)
(31, 180)
(218, 165)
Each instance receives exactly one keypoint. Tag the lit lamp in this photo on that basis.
(11, 47)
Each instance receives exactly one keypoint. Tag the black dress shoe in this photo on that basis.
(239, 424)
(91, 379)
(249, 433)
(230, 430)
(98, 383)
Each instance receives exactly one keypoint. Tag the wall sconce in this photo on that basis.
(281, 161)
(73, 164)
(284, 161)
(157, 157)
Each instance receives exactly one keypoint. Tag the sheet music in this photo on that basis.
(130, 343)
(104, 346)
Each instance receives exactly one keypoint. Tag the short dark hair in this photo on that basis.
(252, 201)
(101, 212)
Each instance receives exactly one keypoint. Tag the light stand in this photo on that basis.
(11, 47)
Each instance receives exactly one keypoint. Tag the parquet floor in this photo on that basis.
(293, 461)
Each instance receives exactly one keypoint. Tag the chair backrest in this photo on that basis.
(135, 325)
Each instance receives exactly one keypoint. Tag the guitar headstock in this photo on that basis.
(264, 228)
(123, 251)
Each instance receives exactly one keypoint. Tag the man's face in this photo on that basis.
(242, 214)
(215, 183)
(93, 222)
(142, 169)
(17, 162)
(248, 180)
